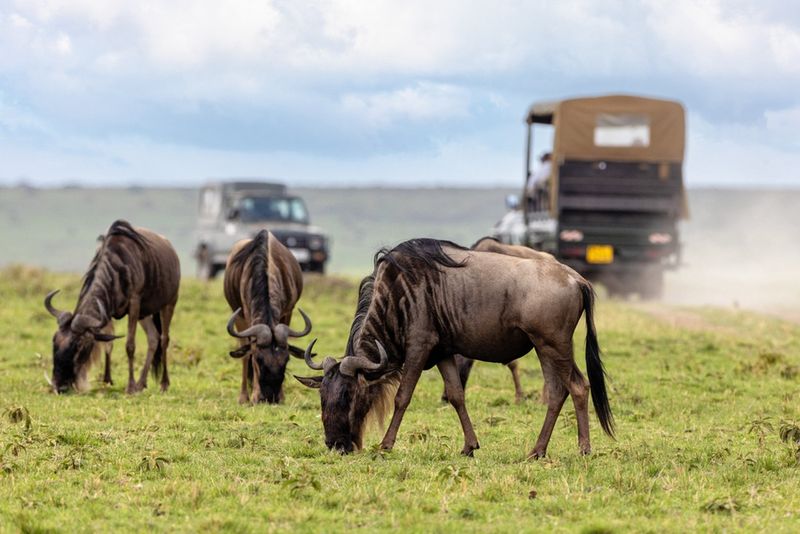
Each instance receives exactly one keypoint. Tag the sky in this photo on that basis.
(353, 92)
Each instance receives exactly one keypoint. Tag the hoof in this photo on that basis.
(586, 451)
(468, 450)
(132, 389)
(164, 387)
(536, 455)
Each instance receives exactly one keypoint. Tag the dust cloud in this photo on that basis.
(741, 249)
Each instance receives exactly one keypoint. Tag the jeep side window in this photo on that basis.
(209, 203)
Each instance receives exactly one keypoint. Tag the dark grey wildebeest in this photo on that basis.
(263, 283)
(135, 272)
(428, 300)
(490, 244)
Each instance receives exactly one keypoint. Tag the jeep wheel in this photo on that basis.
(205, 269)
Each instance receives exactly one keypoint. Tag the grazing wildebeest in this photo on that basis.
(428, 300)
(263, 282)
(490, 244)
(135, 272)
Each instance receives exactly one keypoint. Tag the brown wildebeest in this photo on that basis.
(490, 244)
(428, 300)
(263, 282)
(135, 272)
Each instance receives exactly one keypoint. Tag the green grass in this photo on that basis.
(701, 409)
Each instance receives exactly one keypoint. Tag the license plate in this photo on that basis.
(599, 254)
(302, 255)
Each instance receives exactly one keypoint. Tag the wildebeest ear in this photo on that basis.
(363, 382)
(241, 351)
(99, 336)
(310, 381)
(297, 352)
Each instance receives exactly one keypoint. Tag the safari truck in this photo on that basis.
(609, 201)
(234, 210)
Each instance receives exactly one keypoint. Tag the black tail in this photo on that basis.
(158, 356)
(594, 366)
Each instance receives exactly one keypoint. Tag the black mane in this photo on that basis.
(409, 257)
(412, 258)
(102, 267)
(257, 252)
(484, 238)
(364, 298)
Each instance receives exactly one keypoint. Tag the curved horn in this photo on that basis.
(261, 332)
(307, 328)
(352, 364)
(309, 361)
(81, 322)
(60, 316)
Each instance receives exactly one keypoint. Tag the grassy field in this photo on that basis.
(706, 402)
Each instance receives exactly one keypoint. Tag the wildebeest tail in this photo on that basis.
(158, 356)
(594, 365)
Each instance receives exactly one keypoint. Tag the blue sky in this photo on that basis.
(343, 92)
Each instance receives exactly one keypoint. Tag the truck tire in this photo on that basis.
(205, 269)
(316, 267)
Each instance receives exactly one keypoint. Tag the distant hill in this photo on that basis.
(57, 228)
(740, 246)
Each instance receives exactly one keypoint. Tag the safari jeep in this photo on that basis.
(234, 210)
(610, 203)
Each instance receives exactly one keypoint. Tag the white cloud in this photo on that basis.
(358, 65)
(63, 44)
(421, 102)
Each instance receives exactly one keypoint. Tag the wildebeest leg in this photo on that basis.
(415, 361)
(244, 396)
(579, 391)
(572, 381)
(519, 395)
(255, 384)
(107, 372)
(557, 394)
(130, 342)
(108, 329)
(166, 320)
(464, 366)
(455, 394)
(150, 329)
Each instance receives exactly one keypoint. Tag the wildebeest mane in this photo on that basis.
(257, 252)
(103, 266)
(484, 238)
(364, 298)
(415, 256)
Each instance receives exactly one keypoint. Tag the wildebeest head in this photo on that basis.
(269, 353)
(73, 344)
(347, 395)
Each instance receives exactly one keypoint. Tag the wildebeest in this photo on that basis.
(263, 282)
(490, 244)
(428, 300)
(135, 272)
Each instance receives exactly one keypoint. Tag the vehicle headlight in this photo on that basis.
(316, 243)
(571, 235)
(659, 238)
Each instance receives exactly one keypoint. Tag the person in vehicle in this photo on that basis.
(536, 188)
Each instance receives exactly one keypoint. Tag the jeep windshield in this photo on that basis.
(255, 208)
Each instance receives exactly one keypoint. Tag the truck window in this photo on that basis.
(622, 130)
(289, 209)
(209, 203)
